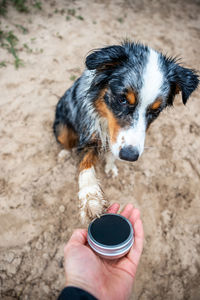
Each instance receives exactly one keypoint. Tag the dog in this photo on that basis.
(109, 108)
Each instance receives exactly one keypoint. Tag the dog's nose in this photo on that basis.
(129, 153)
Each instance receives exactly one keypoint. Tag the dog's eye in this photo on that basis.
(153, 111)
(122, 100)
(155, 108)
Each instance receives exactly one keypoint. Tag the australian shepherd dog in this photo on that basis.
(109, 108)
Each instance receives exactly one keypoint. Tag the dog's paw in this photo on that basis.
(63, 155)
(92, 203)
(111, 169)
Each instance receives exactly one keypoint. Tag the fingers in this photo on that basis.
(134, 216)
(139, 236)
(78, 237)
(136, 250)
(127, 211)
(138, 230)
(113, 209)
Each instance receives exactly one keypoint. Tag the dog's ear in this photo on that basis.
(183, 80)
(106, 58)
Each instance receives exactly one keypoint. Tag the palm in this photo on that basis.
(99, 276)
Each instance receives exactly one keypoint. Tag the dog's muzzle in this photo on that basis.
(129, 153)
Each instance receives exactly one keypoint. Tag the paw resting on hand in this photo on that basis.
(92, 203)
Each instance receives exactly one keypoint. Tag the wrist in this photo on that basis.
(78, 283)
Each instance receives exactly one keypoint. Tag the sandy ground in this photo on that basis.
(38, 205)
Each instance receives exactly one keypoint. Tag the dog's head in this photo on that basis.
(135, 83)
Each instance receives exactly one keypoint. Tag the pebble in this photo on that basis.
(45, 256)
(46, 289)
(51, 228)
(62, 208)
(27, 248)
(38, 246)
(9, 257)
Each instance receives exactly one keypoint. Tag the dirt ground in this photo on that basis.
(38, 205)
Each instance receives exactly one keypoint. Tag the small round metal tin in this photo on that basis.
(110, 236)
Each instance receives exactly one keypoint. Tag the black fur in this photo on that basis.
(106, 58)
(180, 78)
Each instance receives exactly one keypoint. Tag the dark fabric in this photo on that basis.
(73, 293)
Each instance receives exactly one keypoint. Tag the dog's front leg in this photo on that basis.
(110, 167)
(92, 201)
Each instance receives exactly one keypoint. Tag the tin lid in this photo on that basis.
(111, 235)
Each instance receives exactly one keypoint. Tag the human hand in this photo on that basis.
(104, 279)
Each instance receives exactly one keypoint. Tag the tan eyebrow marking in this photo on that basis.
(131, 97)
(156, 104)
